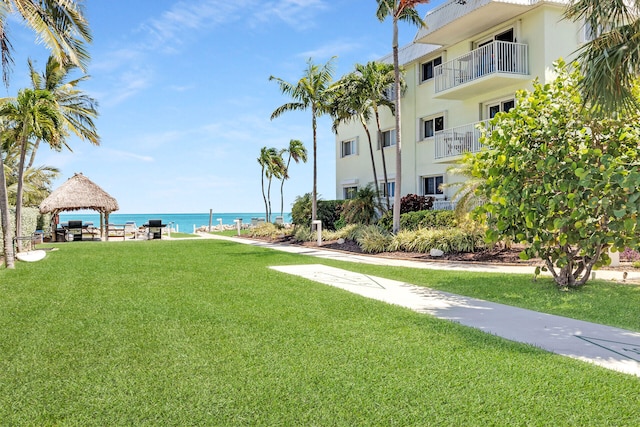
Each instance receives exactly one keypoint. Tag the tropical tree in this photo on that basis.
(313, 91)
(363, 208)
(610, 61)
(399, 10)
(350, 103)
(32, 115)
(77, 109)
(297, 152)
(61, 26)
(359, 95)
(560, 179)
(272, 166)
(37, 180)
(379, 78)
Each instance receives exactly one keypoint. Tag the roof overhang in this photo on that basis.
(453, 22)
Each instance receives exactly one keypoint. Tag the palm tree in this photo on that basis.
(37, 181)
(312, 91)
(372, 83)
(380, 78)
(78, 110)
(351, 102)
(399, 10)
(296, 152)
(33, 114)
(272, 166)
(61, 26)
(611, 60)
(362, 209)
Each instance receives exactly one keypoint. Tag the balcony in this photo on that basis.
(452, 143)
(453, 22)
(489, 67)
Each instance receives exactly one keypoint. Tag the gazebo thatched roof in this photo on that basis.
(78, 193)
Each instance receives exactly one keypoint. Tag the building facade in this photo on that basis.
(464, 67)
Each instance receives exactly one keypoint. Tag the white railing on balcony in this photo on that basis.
(453, 142)
(443, 205)
(495, 57)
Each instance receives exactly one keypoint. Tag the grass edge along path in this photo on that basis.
(202, 332)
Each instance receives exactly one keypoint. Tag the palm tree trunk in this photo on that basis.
(286, 173)
(34, 150)
(384, 160)
(314, 194)
(266, 207)
(269, 200)
(373, 160)
(20, 191)
(7, 233)
(398, 188)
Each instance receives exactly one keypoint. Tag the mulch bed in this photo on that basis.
(507, 256)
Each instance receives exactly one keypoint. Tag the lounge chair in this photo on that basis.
(130, 227)
(116, 230)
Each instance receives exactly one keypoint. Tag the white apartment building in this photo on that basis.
(462, 68)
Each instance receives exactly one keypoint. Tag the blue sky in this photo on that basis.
(185, 98)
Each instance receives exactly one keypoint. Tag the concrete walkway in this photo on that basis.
(606, 346)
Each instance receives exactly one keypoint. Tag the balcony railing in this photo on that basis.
(455, 141)
(495, 57)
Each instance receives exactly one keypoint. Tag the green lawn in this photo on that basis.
(202, 332)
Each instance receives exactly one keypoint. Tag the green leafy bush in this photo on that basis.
(269, 230)
(363, 208)
(374, 240)
(448, 240)
(301, 211)
(427, 219)
(329, 212)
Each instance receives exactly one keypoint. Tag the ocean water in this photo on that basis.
(183, 222)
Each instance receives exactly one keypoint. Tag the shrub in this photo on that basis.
(413, 203)
(330, 212)
(301, 211)
(303, 234)
(427, 219)
(448, 240)
(630, 255)
(362, 209)
(374, 240)
(269, 230)
(386, 220)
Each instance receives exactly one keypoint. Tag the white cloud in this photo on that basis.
(335, 48)
(129, 155)
(296, 13)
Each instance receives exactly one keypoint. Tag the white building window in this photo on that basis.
(493, 108)
(430, 125)
(349, 193)
(388, 138)
(432, 185)
(349, 147)
(427, 69)
(389, 190)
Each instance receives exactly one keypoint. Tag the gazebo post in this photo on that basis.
(102, 214)
(106, 226)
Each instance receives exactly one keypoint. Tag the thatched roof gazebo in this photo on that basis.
(80, 193)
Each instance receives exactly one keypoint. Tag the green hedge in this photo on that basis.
(32, 220)
(427, 219)
(329, 212)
